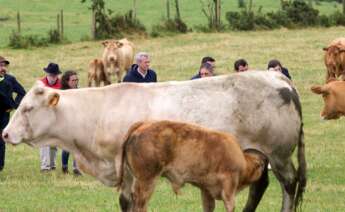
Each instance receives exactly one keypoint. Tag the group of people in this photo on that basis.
(140, 72)
(10, 86)
(69, 80)
(208, 65)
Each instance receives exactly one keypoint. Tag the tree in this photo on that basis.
(212, 9)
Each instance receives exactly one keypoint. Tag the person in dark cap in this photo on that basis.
(211, 61)
(48, 153)
(52, 76)
(8, 86)
(275, 65)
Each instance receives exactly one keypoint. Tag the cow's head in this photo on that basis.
(333, 94)
(34, 117)
(110, 50)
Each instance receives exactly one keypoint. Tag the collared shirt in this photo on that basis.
(56, 85)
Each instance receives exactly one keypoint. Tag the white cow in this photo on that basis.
(261, 109)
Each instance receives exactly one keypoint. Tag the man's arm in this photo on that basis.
(18, 89)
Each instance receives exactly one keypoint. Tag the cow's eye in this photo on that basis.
(27, 109)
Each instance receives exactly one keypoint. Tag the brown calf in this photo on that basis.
(97, 73)
(335, 59)
(184, 153)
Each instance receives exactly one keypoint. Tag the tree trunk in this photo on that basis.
(250, 5)
(344, 7)
(217, 8)
(178, 15)
(310, 2)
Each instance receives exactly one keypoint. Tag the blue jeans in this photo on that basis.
(64, 159)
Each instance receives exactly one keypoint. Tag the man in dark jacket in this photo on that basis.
(141, 72)
(8, 85)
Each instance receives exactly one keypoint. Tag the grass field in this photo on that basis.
(39, 16)
(24, 188)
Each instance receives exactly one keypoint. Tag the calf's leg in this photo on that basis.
(256, 191)
(142, 192)
(229, 190)
(208, 202)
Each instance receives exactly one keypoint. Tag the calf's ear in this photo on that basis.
(325, 48)
(53, 99)
(317, 89)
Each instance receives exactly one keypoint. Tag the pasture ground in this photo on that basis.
(24, 188)
(39, 16)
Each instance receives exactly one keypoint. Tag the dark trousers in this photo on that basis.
(64, 158)
(2, 153)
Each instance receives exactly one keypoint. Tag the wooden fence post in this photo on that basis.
(178, 15)
(168, 9)
(134, 10)
(61, 25)
(18, 22)
(93, 25)
(58, 22)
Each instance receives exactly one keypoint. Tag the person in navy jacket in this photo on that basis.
(141, 72)
(8, 86)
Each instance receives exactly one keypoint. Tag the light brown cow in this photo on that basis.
(185, 153)
(335, 59)
(97, 73)
(333, 94)
(118, 56)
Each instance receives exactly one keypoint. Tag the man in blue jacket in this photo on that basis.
(8, 85)
(141, 72)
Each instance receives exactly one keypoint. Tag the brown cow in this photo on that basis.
(185, 153)
(333, 94)
(118, 56)
(335, 59)
(97, 73)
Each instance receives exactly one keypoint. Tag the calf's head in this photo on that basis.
(35, 116)
(333, 94)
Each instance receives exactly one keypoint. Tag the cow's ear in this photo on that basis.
(325, 48)
(341, 48)
(105, 43)
(318, 89)
(53, 99)
(119, 44)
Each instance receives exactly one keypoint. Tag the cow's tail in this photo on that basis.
(301, 171)
(124, 147)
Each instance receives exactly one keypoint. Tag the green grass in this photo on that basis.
(39, 16)
(24, 188)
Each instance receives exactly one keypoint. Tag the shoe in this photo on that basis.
(65, 170)
(45, 170)
(53, 168)
(76, 172)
